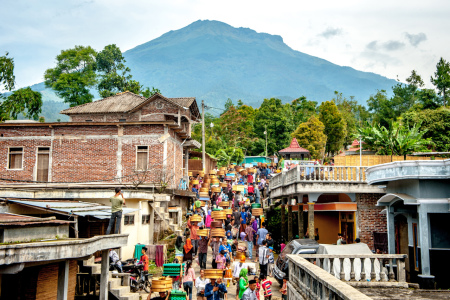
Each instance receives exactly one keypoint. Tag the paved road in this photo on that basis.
(276, 295)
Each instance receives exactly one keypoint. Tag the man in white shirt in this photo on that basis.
(263, 258)
(250, 293)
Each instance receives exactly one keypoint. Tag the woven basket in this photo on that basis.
(223, 169)
(203, 232)
(207, 180)
(223, 184)
(238, 169)
(161, 284)
(217, 232)
(216, 189)
(264, 165)
(204, 190)
(212, 274)
(201, 173)
(204, 194)
(193, 182)
(228, 211)
(203, 203)
(221, 173)
(218, 215)
(244, 172)
(195, 218)
(251, 170)
(205, 185)
(216, 224)
(238, 188)
(224, 204)
(189, 173)
(212, 172)
(257, 211)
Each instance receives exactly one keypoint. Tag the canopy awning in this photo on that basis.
(77, 208)
(387, 199)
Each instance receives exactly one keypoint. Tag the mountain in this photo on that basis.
(214, 61)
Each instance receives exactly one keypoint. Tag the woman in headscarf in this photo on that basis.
(179, 248)
(243, 282)
(188, 249)
(208, 219)
(229, 235)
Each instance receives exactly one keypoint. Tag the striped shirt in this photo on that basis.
(266, 284)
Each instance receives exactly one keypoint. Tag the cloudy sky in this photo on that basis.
(390, 38)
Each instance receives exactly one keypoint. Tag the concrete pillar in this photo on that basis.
(151, 211)
(390, 230)
(424, 231)
(186, 166)
(104, 276)
(63, 280)
(311, 220)
(290, 223)
(283, 219)
(301, 232)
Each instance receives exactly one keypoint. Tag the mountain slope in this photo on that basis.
(214, 61)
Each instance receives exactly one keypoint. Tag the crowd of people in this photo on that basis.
(232, 253)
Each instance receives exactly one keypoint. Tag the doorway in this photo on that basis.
(347, 225)
(43, 157)
(401, 240)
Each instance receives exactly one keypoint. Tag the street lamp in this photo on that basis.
(265, 133)
(211, 125)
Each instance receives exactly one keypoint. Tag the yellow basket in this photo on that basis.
(161, 284)
(218, 215)
(212, 274)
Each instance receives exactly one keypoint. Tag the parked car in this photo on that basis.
(298, 246)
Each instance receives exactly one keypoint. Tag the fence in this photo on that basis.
(372, 160)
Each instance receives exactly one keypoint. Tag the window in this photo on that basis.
(122, 120)
(88, 120)
(145, 219)
(128, 220)
(43, 156)
(142, 158)
(15, 158)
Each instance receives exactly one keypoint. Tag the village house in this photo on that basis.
(124, 140)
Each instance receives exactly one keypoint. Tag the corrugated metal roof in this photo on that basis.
(128, 102)
(11, 220)
(77, 208)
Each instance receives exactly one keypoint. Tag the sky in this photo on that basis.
(390, 38)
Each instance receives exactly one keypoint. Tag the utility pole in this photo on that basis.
(360, 152)
(203, 136)
(265, 132)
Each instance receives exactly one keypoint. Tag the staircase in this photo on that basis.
(115, 286)
(160, 205)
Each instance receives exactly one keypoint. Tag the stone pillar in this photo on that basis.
(301, 232)
(104, 274)
(283, 219)
(290, 223)
(311, 220)
(186, 166)
(152, 222)
(63, 280)
(390, 229)
(426, 280)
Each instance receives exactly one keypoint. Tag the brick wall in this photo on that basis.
(90, 153)
(369, 218)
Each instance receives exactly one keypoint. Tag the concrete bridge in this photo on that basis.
(338, 198)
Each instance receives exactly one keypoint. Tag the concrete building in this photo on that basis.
(124, 140)
(417, 208)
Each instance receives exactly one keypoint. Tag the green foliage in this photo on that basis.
(73, 75)
(310, 136)
(396, 139)
(435, 123)
(23, 101)
(335, 126)
(147, 93)
(441, 79)
(303, 109)
(279, 121)
(229, 155)
(7, 78)
(236, 125)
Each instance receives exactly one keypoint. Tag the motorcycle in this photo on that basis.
(138, 279)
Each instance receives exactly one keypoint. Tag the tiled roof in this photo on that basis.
(128, 102)
(294, 147)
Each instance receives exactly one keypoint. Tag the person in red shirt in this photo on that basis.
(144, 260)
(249, 178)
(267, 287)
(251, 189)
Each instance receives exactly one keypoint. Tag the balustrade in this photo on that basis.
(362, 269)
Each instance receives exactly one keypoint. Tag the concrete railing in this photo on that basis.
(308, 281)
(363, 270)
(319, 173)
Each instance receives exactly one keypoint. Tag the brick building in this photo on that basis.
(128, 140)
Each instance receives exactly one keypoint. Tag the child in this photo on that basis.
(258, 287)
(267, 287)
(283, 289)
(221, 260)
(228, 276)
(271, 262)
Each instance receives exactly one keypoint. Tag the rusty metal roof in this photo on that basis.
(9, 219)
(127, 102)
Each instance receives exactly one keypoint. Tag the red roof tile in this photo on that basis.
(294, 147)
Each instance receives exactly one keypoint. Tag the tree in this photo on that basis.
(397, 139)
(24, 101)
(7, 78)
(436, 122)
(335, 126)
(303, 109)
(229, 155)
(310, 136)
(73, 75)
(381, 108)
(147, 93)
(441, 79)
(279, 121)
(114, 75)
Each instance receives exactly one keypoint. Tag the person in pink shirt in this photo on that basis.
(188, 279)
(221, 260)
